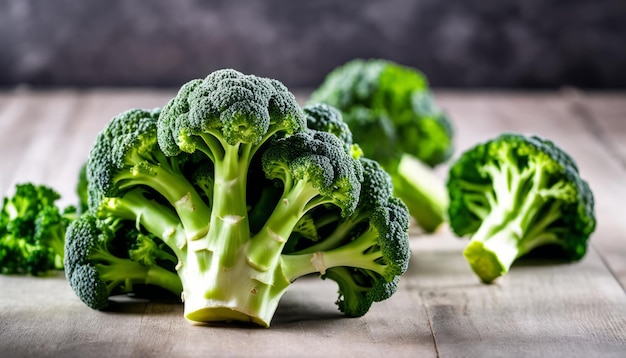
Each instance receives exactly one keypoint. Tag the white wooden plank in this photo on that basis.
(606, 114)
(538, 310)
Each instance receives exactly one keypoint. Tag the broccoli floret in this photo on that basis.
(314, 170)
(126, 154)
(32, 230)
(395, 121)
(226, 177)
(516, 193)
(109, 257)
(365, 253)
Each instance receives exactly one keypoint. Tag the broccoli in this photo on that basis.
(32, 230)
(514, 194)
(222, 179)
(109, 257)
(395, 121)
(365, 253)
(82, 190)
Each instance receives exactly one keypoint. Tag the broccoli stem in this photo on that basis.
(518, 221)
(423, 193)
(493, 257)
(493, 249)
(230, 228)
(154, 217)
(210, 295)
(358, 254)
(339, 234)
(116, 271)
(265, 247)
(175, 188)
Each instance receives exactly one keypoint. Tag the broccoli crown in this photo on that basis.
(227, 108)
(325, 118)
(108, 257)
(389, 110)
(319, 160)
(32, 230)
(523, 188)
(170, 195)
(124, 149)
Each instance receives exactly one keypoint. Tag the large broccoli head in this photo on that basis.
(513, 194)
(227, 109)
(224, 176)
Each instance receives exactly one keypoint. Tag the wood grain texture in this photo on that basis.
(540, 309)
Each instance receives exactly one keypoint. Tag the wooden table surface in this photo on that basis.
(540, 309)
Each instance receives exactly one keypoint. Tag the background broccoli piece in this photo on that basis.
(32, 230)
(82, 190)
(513, 194)
(395, 121)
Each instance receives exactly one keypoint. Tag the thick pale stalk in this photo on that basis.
(213, 293)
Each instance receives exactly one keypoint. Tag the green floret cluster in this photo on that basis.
(227, 195)
(32, 230)
(514, 194)
(393, 117)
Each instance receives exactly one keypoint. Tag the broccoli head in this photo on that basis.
(516, 193)
(32, 230)
(225, 180)
(395, 121)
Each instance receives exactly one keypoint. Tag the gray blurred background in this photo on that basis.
(457, 43)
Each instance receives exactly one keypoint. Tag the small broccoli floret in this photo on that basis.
(97, 266)
(224, 179)
(325, 118)
(395, 121)
(314, 170)
(364, 253)
(516, 193)
(126, 154)
(32, 230)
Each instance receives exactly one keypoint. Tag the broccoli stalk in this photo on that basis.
(514, 194)
(425, 196)
(395, 121)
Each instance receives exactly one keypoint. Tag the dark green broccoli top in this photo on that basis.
(389, 110)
